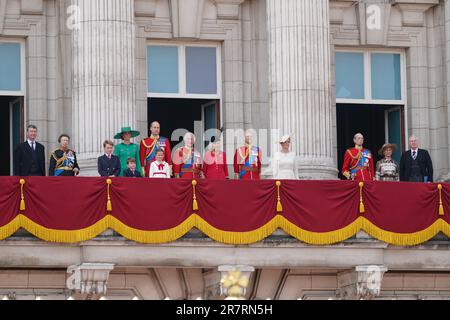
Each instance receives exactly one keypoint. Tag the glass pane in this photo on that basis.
(201, 70)
(349, 75)
(394, 130)
(10, 68)
(162, 69)
(386, 80)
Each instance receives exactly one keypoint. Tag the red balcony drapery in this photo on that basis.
(73, 209)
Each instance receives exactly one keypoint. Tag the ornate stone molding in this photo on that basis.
(228, 9)
(413, 13)
(362, 283)
(89, 281)
(32, 7)
(144, 8)
(186, 25)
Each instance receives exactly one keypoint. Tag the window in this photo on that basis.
(183, 71)
(369, 77)
(11, 70)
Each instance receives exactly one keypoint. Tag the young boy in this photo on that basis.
(108, 164)
(131, 172)
(159, 168)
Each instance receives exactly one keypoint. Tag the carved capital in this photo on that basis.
(362, 283)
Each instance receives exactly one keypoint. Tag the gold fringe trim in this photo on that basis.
(321, 238)
(229, 237)
(158, 236)
(65, 236)
(232, 237)
(9, 229)
(404, 239)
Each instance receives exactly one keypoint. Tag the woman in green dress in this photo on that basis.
(127, 149)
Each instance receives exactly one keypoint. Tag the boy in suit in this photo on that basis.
(108, 164)
(131, 172)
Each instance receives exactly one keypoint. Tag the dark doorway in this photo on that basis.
(378, 124)
(11, 129)
(175, 113)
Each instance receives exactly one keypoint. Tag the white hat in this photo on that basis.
(285, 137)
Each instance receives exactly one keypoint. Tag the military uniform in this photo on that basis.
(247, 162)
(354, 168)
(63, 163)
(147, 152)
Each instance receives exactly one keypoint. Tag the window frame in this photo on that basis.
(21, 92)
(367, 68)
(182, 86)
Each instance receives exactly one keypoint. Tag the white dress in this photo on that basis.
(284, 166)
(159, 170)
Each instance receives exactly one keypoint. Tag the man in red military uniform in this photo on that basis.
(358, 162)
(148, 147)
(187, 162)
(247, 160)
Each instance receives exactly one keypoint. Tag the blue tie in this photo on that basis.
(414, 154)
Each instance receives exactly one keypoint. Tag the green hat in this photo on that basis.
(134, 133)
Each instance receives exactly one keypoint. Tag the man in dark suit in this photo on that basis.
(108, 164)
(29, 156)
(415, 164)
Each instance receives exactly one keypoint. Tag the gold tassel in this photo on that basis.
(22, 200)
(108, 203)
(194, 202)
(362, 209)
(279, 206)
(441, 207)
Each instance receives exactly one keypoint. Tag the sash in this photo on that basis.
(188, 164)
(247, 163)
(66, 163)
(151, 156)
(365, 155)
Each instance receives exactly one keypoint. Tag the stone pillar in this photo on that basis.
(228, 282)
(446, 177)
(88, 281)
(300, 82)
(362, 283)
(103, 93)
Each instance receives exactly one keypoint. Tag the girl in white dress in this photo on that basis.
(284, 164)
(159, 168)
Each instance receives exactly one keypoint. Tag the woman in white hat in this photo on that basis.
(284, 165)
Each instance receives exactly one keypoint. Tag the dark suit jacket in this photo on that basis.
(23, 159)
(425, 164)
(109, 167)
(128, 173)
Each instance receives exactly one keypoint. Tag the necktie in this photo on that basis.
(414, 154)
(32, 145)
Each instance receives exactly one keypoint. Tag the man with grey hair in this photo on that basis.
(415, 164)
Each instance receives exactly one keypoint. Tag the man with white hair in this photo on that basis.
(247, 160)
(415, 164)
(358, 162)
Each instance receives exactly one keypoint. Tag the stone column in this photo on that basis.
(300, 82)
(362, 283)
(446, 177)
(88, 281)
(103, 93)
